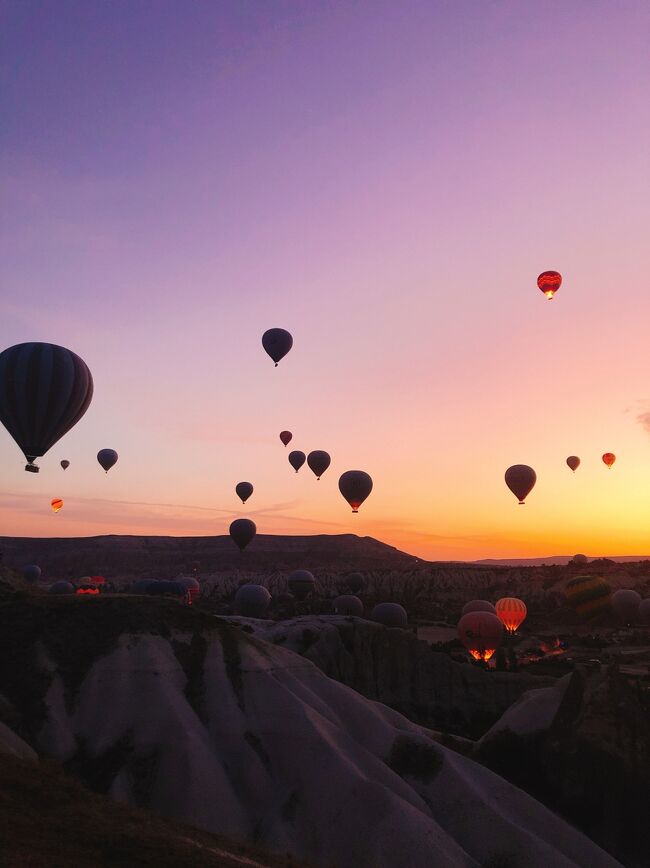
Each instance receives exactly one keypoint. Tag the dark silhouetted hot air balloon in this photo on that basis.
(579, 560)
(140, 587)
(244, 490)
(61, 588)
(277, 343)
(574, 462)
(549, 282)
(286, 437)
(588, 595)
(252, 601)
(107, 458)
(481, 633)
(355, 486)
(318, 462)
(65, 464)
(390, 615)
(346, 604)
(520, 479)
(56, 504)
(609, 458)
(354, 581)
(625, 604)
(31, 573)
(44, 391)
(297, 459)
(301, 584)
(644, 610)
(242, 531)
(478, 606)
(512, 612)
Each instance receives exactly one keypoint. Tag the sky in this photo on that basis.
(384, 180)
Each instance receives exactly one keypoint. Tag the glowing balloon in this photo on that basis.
(520, 479)
(355, 486)
(318, 461)
(549, 282)
(244, 490)
(277, 343)
(511, 612)
(44, 392)
(478, 606)
(574, 462)
(588, 595)
(297, 459)
(346, 604)
(286, 437)
(65, 464)
(609, 458)
(481, 633)
(107, 458)
(56, 504)
(242, 531)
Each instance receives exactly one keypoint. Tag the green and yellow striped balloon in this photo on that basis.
(589, 595)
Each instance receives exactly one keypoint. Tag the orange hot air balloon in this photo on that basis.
(481, 633)
(574, 462)
(549, 282)
(511, 612)
(609, 458)
(56, 504)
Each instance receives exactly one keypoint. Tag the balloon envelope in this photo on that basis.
(61, 588)
(481, 633)
(65, 464)
(520, 479)
(625, 604)
(354, 582)
(244, 490)
(512, 612)
(609, 458)
(355, 486)
(478, 606)
(549, 282)
(31, 573)
(286, 437)
(346, 604)
(277, 343)
(301, 584)
(318, 461)
(252, 601)
(644, 610)
(390, 615)
(107, 458)
(574, 462)
(297, 459)
(56, 504)
(242, 531)
(44, 391)
(588, 595)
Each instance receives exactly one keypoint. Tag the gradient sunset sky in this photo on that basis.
(383, 179)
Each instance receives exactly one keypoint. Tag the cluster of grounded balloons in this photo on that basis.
(591, 596)
(521, 479)
(481, 624)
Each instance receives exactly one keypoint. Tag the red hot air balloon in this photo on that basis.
(243, 490)
(574, 462)
(549, 282)
(318, 462)
(277, 343)
(520, 479)
(242, 531)
(297, 459)
(286, 437)
(355, 486)
(609, 458)
(511, 612)
(481, 633)
(56, 504)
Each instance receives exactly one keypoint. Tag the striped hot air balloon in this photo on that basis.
(56, 504)
(588, 595)
(512, 612)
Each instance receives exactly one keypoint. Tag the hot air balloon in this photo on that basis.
(244, 490)
(297, 459)
(644, 610)
(354, 582)
(511, 612)
(390, 615)
(609, 458)
(242, 531)
(252, 601)
(549, 282)
(107, 458)
(286, 437)
(192, 587)
(625, 604)
(478, 606)
(56, 504)
(65, 464)
(301, 584)
(87, 589)
(277, 343)
(44, 391)
(355, 486)
(574, 462)
(97, 580)
(520, 479)
(588, 595)
(318, 461)
(346, 604)
(579, 560)
(61, 588)
(31, 573)
(481, 633)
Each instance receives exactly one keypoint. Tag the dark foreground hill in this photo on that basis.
(126, 557)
